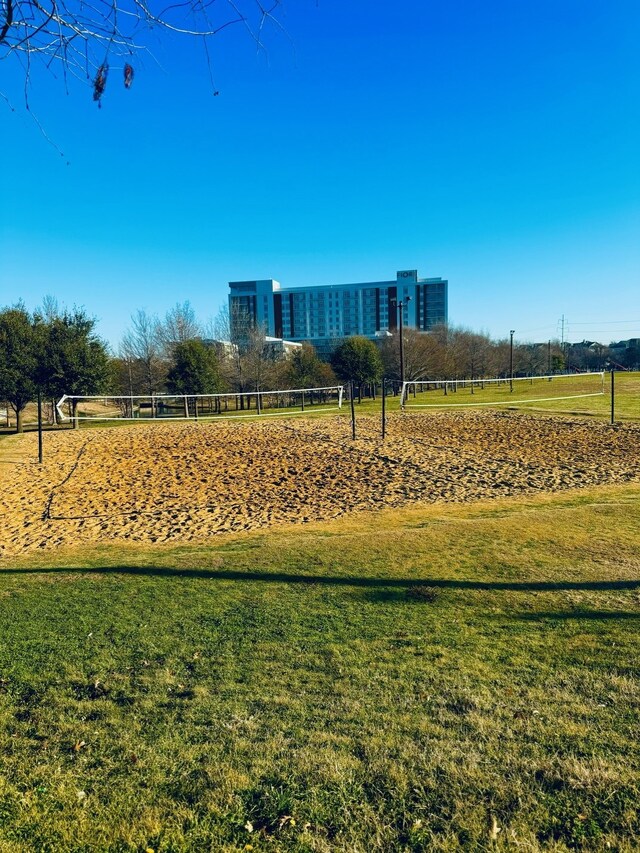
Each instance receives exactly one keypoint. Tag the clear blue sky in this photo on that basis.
(495, 144)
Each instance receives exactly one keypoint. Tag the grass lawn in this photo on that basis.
(460, 677)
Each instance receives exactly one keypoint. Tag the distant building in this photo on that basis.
(275, 347)
(632, 343)
(325, 314)
(224, 349)
(280, 348)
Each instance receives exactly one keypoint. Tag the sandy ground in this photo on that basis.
(185, 482)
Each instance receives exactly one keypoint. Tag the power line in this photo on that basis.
(605, 322)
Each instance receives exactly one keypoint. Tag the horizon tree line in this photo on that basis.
(57, 351)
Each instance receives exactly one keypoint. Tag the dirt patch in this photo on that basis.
(189, 481)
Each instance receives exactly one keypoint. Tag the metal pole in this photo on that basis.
(549, 358)
(400, 308)
(613, 395)
(384, 402)
(39, 427)
(511, 360)
(353, 413)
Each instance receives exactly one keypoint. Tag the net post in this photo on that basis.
(613, 395)
(39, 426)
(340, 393)
(384, 404)
(353, 412)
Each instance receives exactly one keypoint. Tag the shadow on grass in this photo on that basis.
(330, 580)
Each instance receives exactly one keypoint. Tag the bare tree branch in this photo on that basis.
(8, 20)
(84, 37)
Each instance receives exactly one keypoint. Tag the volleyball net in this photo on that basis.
(466, 393)
(233, 405)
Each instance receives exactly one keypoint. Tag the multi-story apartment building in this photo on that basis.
(325, 314)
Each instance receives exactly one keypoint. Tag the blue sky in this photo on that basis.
(495, 144)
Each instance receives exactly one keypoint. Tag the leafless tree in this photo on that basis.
(50, 308)
(258, 359)
(218, 328)
(84, 40)
(422, 355)
(469, 353)
(141, 349)
(180, 325)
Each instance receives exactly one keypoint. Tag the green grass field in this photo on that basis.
(562, 396)
(460, 677)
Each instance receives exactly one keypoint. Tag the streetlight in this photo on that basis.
(400, 305)
(512, 331)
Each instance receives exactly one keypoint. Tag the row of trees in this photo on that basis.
(450, 353)
(230, 354)
(181, 356)
(57, 351)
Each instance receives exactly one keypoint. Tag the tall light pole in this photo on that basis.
(512, 331)
(400, 306)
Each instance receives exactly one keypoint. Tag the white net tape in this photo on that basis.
(248, 404)
(460, 393)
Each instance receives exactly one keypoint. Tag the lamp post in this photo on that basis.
(512, 331)
(400, 306)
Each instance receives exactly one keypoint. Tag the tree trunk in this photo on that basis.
(19, 420)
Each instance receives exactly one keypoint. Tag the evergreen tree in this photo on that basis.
(73, 358)
(194, 369)
(357, 360)
(18, 360)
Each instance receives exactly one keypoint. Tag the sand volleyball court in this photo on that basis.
(186, 482)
